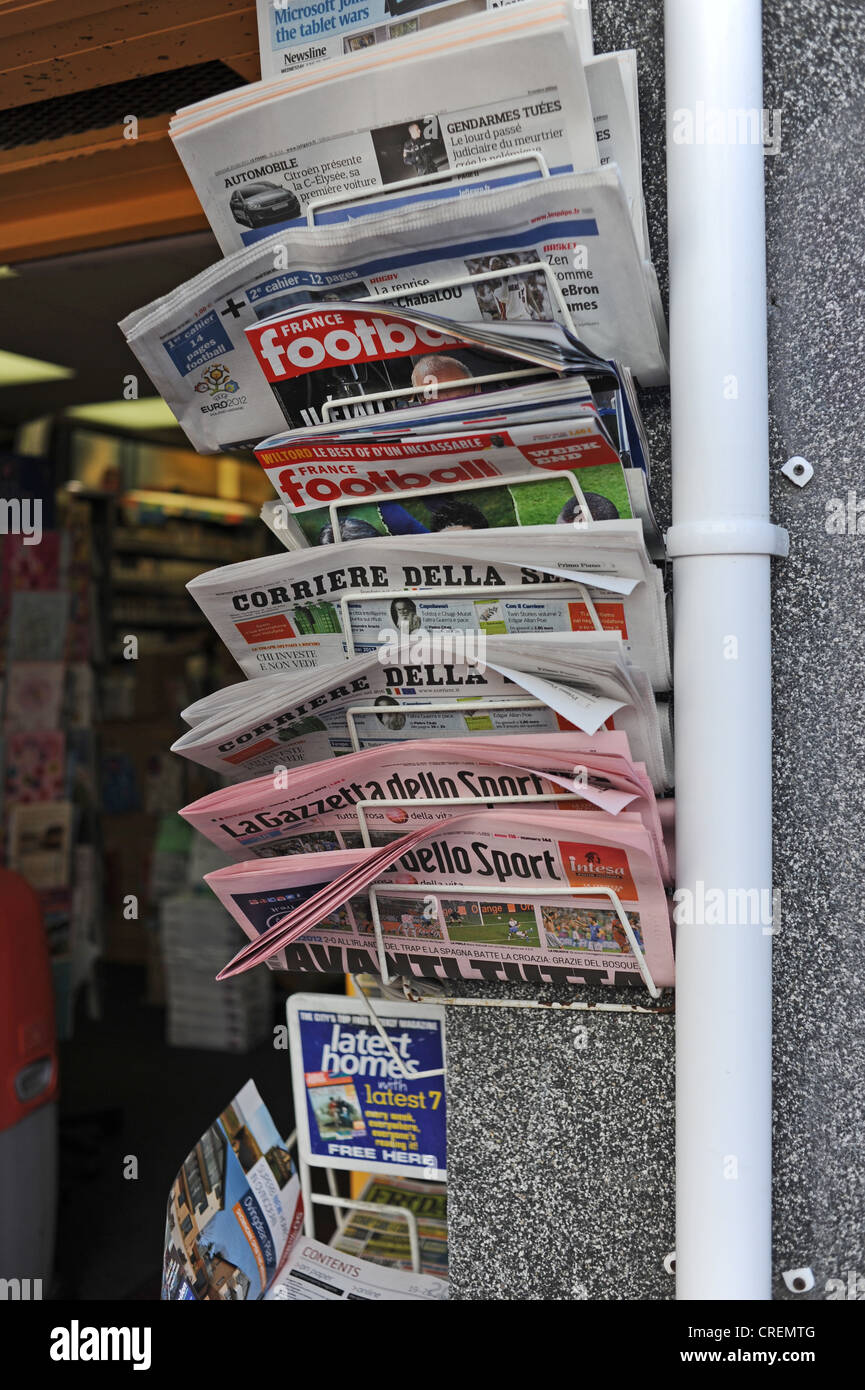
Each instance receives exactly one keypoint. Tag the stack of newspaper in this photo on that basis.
(488, 166)
(560, 868)
(383, 1240)
(195, 941)
(434, 309)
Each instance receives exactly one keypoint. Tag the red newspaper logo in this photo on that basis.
(562, 455)
(317, 341)
(597, 866)
(269, 629)
(250, 750)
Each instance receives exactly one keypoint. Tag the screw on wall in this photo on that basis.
(799, 1280)
(798, 470)
(670, 1262)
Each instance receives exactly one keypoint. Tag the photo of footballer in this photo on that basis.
(410, 918)
(513, 298)
(575, 929)
(542, 503)
(493, 923)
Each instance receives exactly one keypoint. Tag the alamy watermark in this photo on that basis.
(20, 1290)
(21, 516)
(413, 645)
(845, 516)
(716, 125)
(728, 907)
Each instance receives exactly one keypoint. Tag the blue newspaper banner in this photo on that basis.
(361, 1111)
(197, 344)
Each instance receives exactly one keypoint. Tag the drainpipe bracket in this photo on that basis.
(731, 535)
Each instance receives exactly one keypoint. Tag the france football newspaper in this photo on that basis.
(577, 227)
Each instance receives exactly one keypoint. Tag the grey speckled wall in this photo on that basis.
(561, 1149)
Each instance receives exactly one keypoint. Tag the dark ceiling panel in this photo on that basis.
(66, 310)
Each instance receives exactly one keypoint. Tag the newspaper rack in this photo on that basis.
(317, 205)
(343, 1204)
(332, 1199)
(473, 485)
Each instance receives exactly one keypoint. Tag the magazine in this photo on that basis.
(509, 83)
(316, 1273)
(35, 765)
(356, 1102)
(34, 694)
(192, 342)
(234, 1225)
(470, 896)
(40, 842)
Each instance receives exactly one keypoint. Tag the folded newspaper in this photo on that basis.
(304, 609)
(526, 501)
(381, 1237)
(234, 1226)
(526, 683)
(506, 87)
(335, 804)
(508, 893)
(577, 228)
(350, 468)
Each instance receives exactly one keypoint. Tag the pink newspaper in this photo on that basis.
(538, 895)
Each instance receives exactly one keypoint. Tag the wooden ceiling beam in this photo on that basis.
(94, 190)
(44, 56)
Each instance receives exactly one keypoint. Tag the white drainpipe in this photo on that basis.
(721, 542)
